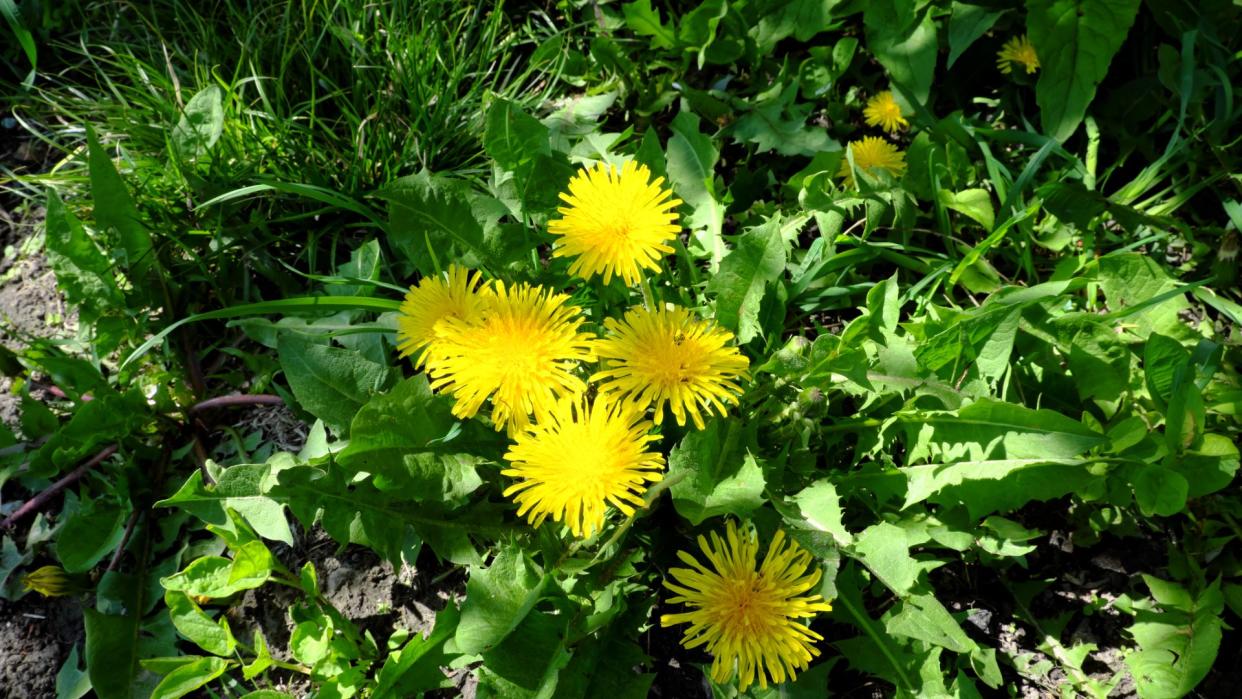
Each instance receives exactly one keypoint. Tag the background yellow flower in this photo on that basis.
(617, 222)
(746, 617)
(1018, 50)
(579, 458)
(883, 111)
(668, 356)
(872, 153)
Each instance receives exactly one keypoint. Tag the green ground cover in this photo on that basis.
(931, 306)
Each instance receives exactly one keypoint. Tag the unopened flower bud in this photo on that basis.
(811, 397)
(51, 581)
(797, 343)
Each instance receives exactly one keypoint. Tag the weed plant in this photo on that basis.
(752, 349)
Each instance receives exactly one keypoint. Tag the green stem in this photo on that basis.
(649, 295)
(1093, 152)
(865, 623)
(283, 577)
(847, 425)
(294, 667)
(652, 494)
(1058, 650)
(1233, 524)
(684, 254)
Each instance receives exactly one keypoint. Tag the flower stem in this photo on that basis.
(648, 300)
(652, 493)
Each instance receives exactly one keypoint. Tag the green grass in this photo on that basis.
(332, 99)
(344, 94)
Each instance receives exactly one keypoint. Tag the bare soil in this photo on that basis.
(30, 304)
(364, 588)
(36, 635)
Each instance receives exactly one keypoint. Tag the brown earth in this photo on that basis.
(36, 635)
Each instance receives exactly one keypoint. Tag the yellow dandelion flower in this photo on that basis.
(872, 153)
(434, 299)
(1020, 50)
(521, 352)
(669, 356)
(578, 459)
(883, 111)
(53, 581)
(617, 222)
(745, 617)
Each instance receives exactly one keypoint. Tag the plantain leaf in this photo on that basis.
(902, 35)
(1075, 41)
(1178, 645)
(756, 261)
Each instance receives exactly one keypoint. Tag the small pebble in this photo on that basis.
(981, 618)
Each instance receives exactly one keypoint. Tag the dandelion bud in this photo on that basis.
(51, 581)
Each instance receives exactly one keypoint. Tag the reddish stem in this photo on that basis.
(37, 502)
(235, 400)
(60, 393)
(129, 531)
(200, 458)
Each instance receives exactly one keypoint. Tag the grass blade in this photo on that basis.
(301, 303)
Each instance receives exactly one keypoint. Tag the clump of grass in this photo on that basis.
(341, 97)
(351, 93)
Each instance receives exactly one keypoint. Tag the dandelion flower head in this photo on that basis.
(747, 617)
(872, 153)
(1018, 50)
(521, 352)
(883, 111)
(51, 581)
(617, 222)
(433, 300)
(668, 356)
(580, 458)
